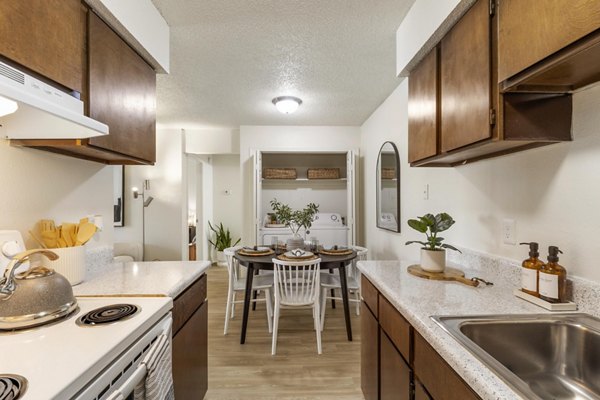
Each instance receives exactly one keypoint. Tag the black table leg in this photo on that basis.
(344, 283)
(255, 295)
(332, 291)
(247, 295)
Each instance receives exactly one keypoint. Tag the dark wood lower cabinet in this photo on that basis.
(190, 344)
(369, 352)
(436, 375)
(395, 373)
(420, 392)
(397, 363)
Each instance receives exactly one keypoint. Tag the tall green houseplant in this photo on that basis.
(222, 239)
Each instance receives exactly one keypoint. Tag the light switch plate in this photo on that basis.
(509, 231)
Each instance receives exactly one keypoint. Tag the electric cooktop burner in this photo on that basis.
(12, 387)
(108, 315)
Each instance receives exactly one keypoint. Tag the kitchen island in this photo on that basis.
(416, 300)
(185, 282)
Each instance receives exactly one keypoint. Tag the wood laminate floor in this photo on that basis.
(249, 371)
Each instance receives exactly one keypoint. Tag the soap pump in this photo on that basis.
(530, 270)
(553, 278)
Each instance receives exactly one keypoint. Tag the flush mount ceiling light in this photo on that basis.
(7, 106)
(287, 104)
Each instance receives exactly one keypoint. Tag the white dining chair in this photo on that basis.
(238, 284)
(331, 281)
(296, 286)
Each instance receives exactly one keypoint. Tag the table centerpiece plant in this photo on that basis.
(295, 220)
(221, 241)
(433, 252)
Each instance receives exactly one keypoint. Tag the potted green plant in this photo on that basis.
(433, 252)
(295, 220)
(221, 241)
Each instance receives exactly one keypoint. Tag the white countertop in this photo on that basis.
(158, 278)
(418, 299)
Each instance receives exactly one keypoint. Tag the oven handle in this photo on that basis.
(130, 384)
(141, 371)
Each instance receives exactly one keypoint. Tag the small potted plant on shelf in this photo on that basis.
(221, 241)
(433, 252)
(295, 220)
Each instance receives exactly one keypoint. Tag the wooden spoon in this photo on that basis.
(85, 233)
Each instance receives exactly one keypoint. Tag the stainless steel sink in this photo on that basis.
(540, 356)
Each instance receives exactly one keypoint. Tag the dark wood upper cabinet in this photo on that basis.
(465, 75)
(475, 121)
(119, 87)
(47, 37)
(561, 35)
(423, 109)
(122, 89)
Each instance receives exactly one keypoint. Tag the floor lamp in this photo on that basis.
(145, 203)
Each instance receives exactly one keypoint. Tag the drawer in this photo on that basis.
(369, 294)
(188, 302)
(440, 380)
(396, 327)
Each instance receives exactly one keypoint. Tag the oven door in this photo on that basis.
(121, 377)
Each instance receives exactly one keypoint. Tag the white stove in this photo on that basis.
(67, 360)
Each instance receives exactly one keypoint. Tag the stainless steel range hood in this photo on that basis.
(43, 112)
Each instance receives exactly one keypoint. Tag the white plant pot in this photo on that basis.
(221, 259)
(433, 260)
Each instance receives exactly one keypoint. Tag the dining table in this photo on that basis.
(265, 262)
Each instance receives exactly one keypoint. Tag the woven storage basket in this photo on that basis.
(388, 173)
(280, 173)
(323, 173)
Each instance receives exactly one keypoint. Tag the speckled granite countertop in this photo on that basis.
(158, 278)
(418, 299)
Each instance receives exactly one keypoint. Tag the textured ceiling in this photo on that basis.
(229, 58)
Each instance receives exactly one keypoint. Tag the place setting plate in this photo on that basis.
(256, 251)
(336, 251)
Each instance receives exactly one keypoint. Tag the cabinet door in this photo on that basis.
(395, 374)
(441, 381)
(122, 94)
(369, 351)
(423, 109)
(420, 393)
(465, 74)
(190, 357)
(529, 31)
(46, 36)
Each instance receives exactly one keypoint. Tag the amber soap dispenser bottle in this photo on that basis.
(553, 278)
(530, 270)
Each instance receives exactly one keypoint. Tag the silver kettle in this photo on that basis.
(35, 297)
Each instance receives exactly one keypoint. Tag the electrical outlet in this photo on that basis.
(509, 231)
(227, 192)
(426, 192)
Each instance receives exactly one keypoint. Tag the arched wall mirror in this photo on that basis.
(388, 188)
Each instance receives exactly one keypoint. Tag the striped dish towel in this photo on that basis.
(158, 384)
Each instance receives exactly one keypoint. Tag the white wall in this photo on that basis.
(227, 208)
(552, 192)
(298, 138)
(166, 217)
(38, 185)
(212, 141)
